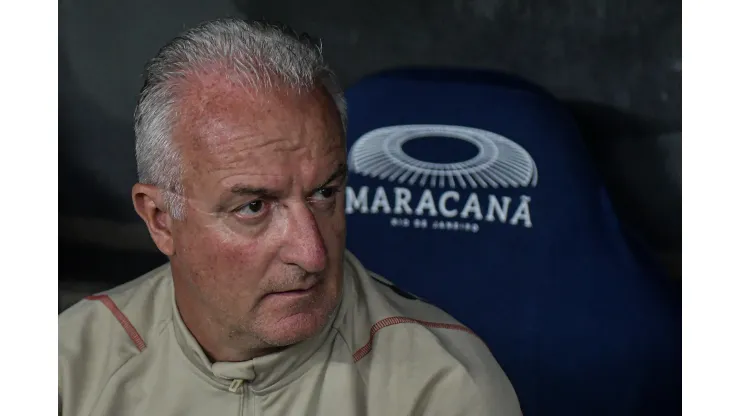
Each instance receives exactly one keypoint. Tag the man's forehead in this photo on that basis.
(277, 180)
(208, 116)
(227, 114)
(260, 152)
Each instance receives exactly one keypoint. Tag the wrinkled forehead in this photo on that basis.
(211, 103)
(224, 128)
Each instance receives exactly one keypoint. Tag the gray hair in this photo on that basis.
(257, 54)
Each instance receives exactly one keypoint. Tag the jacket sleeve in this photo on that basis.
(460, 392)
(92, 346)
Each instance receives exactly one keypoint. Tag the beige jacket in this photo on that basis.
(127, 352)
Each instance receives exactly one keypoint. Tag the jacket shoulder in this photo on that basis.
(404, 340)
(102, 332)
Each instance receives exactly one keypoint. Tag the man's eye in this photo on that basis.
(325, 193)
(252, 209)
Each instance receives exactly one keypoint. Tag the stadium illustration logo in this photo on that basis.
(499, 163)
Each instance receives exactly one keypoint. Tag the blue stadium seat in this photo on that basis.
(474, 191)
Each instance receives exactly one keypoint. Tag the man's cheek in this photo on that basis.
(336, 231)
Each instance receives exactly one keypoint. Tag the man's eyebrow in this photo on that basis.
(245, 190)
(340, 173)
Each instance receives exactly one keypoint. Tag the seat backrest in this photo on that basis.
(474, 191)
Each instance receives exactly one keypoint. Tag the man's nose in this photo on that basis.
(303, 245)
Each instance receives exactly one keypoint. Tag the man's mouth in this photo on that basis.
(296, 291)
(304, 289)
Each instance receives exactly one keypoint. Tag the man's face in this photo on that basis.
(261, 247)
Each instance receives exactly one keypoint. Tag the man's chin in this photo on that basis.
(294, 328)
(289, 318)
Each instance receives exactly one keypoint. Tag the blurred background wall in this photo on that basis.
(617, 64)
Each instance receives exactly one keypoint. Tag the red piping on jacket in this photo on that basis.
(125, 323)
(395, 320)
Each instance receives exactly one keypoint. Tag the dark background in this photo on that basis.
(616, 64)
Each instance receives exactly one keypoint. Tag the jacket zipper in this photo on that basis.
(245, 396)
(234, 387)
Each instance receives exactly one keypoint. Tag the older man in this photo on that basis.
(240, 146)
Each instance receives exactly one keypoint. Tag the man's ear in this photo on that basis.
(149, 204)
